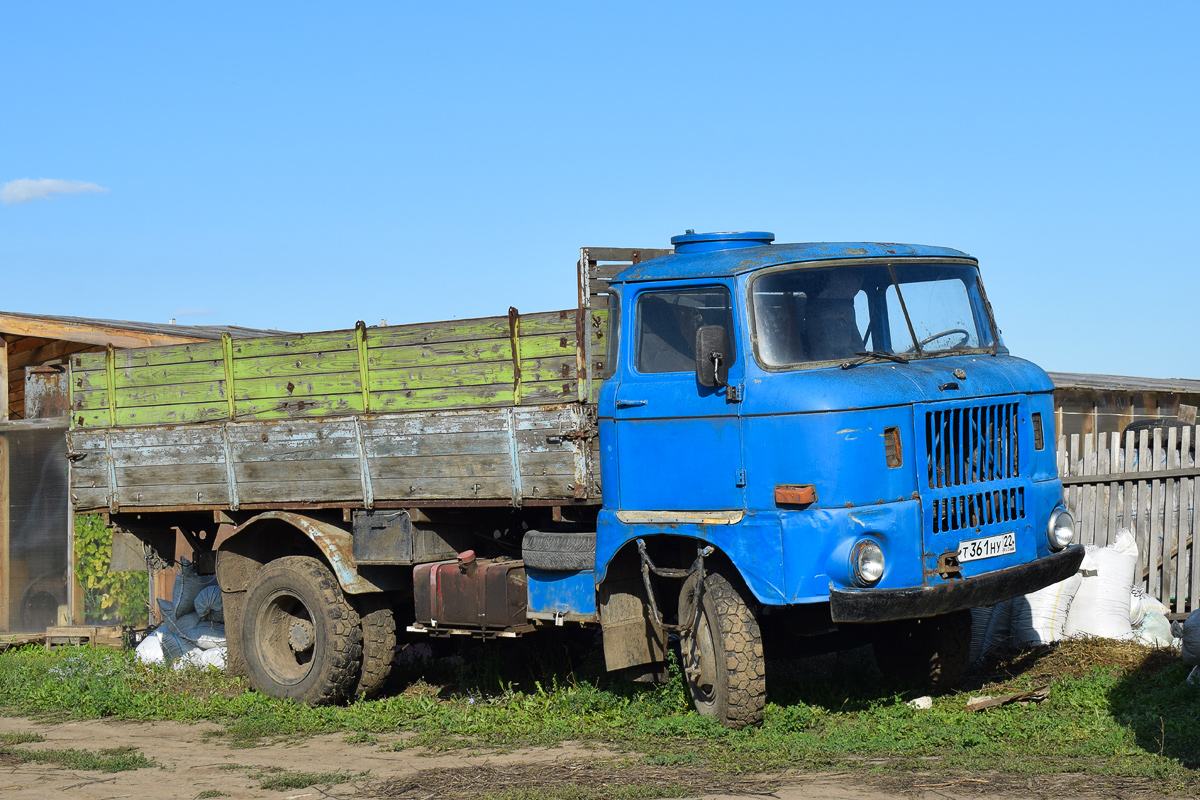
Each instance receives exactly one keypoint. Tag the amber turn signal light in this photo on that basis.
(795, 494)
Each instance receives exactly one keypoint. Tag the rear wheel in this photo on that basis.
(378, 643)
(722, 654)
(301, 639)
(933, 653)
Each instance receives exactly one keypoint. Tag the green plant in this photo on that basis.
(107, 596)
(115, 759)
(285, 779)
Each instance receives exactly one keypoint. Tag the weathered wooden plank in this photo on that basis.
(1170, 524)
(316, 387)
(559, 391)
(444, 488)
(549, 369)
(296, 408)
(1088, 493)
(327, 342)
(456, 445)
(1143, 511)
(468, 352)
(473, 374)
(451, 331)
(182, 473)
(495, 395)
(495, 465)
(1157, 589)
(153, 415)
(290, 365)
(1194, 523)
(164, 375)
(143, 396)
(153, 356)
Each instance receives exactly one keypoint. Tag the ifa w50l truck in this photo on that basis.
(733, 445)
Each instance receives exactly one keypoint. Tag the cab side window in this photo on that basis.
(667, 323)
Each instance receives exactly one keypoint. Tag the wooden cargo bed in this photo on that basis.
(490, 411)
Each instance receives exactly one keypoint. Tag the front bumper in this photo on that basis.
(881, 605)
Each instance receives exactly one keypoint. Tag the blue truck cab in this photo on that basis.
(810, 438)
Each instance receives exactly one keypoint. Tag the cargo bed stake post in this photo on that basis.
(514, 336)
(364, 375)
(110, 364)
(227, 357)
(227, 444)
(510, 423)
(364, 465)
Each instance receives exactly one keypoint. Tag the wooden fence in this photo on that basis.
(1150, 484)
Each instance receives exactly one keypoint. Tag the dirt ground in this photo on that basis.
(191, 765)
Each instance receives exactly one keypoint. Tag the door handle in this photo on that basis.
(630, 403)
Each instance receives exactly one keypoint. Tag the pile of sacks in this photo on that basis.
(1100, 600)
(193, 628)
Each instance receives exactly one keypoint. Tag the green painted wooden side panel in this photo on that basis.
(433, 366)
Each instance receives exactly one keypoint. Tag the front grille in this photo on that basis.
(970, 445)
(979, 508)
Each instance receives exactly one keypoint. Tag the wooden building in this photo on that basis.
(35, 514)
(1097, 404)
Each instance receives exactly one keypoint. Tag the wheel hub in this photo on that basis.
(300, 635)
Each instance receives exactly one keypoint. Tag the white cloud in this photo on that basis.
(25, 189)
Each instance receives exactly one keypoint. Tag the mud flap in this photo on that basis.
(631, 637)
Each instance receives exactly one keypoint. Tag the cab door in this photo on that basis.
(678, 443)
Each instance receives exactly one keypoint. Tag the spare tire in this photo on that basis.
(559, 551)
(1150, 425)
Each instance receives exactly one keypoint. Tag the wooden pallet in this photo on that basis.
(98, 635)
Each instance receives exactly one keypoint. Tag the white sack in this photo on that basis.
(1101, 606)
(150, 649)
(1155, 630)
(206, 635)
(1140, 603)
(1040, 617)
(209, 604)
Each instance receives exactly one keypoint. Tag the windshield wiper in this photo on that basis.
(867, 355)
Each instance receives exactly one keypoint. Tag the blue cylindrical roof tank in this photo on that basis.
(692, 242)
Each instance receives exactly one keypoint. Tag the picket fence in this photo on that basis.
(1150, 484)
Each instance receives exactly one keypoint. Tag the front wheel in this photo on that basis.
(301, 639)
(722, 653)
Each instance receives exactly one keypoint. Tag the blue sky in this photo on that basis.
(303, 166)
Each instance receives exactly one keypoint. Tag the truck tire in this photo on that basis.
(559, 551)
(1151, 425)
(378, 643)
(301, 639)
(932, 653)
(722, 656)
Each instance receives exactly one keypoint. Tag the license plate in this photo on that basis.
(975, 549)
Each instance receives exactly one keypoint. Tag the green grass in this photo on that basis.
(20, 737)
(285, 779)
(115, 759)
(210, 793)
(1119, 720)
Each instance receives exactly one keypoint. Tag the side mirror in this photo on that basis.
(712, 356)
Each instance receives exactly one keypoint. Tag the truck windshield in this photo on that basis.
(805, 315)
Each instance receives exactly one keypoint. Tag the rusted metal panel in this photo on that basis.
(484, 594)
(46, 392)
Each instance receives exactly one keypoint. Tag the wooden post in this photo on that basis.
(3, 379)
(5, 563)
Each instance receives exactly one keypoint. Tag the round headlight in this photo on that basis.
(868, 562)
(1061, 530)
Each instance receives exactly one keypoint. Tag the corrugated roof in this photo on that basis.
(1123, 383)
(195, 331)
